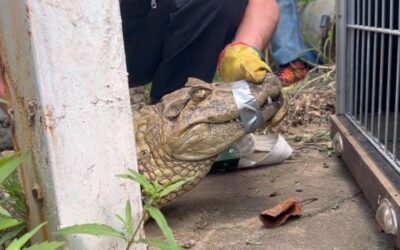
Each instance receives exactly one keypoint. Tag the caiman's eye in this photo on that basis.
(199, 94)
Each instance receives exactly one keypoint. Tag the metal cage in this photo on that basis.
(372, 74)
(368, 94)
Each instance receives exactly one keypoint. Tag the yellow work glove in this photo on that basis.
(240, 61)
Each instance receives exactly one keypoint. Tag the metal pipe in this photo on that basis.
(367, 82)
(374, 29)
(380, 95)
(356, 74)
(362, 78)
(357, 59)
(389, 77)
(363, 65)
(396, 107)
(341, 52)
(374, 72)
(350, 58)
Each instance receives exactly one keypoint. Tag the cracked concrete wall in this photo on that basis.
(65, 71)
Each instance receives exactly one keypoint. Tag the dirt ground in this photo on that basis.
(222, 212)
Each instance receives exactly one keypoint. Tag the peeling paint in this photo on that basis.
(31, 111)
(37, 193)
(10, 84)
(47, 120)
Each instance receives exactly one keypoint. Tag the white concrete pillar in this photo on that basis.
(65, 71)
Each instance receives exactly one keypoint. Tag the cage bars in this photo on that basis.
(373, 72)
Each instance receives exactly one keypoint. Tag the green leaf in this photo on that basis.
(157, 186)
(156, 214)
(4, 212)
(46, 246)
(140, 179)
(161, 244)
(120, 218)
(128, 218)
(6, 223)
(147, 188)
(17, 244)
(10, 163)
(92, 229)
(172, 186)
(11, 186)
(11, 234)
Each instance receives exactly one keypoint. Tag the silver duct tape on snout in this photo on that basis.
(250, 113)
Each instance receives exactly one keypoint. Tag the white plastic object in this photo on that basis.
(262, 150)
(246, 145)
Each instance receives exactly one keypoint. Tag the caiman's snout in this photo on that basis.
(272, 100)
(205, 118)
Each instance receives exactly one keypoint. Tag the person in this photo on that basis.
(288, 48)
(168, 41)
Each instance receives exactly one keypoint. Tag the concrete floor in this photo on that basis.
(222, 212)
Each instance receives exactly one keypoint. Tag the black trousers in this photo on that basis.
(176, 40)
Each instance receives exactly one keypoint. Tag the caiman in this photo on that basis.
(182, 134)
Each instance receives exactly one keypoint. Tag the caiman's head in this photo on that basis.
(204, 118)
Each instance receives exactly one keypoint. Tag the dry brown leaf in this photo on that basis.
(276, 216)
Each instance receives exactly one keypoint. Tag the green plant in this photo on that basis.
(15, 199)
(11, 222)
(147, 92)
(152, 193)
(301, 4)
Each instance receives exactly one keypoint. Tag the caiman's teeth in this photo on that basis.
(269, 100)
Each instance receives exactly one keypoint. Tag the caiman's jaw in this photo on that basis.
(206, 118)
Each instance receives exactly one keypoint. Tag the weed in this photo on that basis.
(13, 198)
(11, 227)
(153, 192)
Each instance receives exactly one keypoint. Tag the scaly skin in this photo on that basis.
(182, 135)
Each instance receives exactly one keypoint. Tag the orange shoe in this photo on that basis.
(293, 72)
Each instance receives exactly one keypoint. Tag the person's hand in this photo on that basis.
(240, 61)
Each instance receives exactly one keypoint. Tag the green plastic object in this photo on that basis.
(228, 160)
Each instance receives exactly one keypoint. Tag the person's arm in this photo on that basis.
(243, 58)
(258, 23)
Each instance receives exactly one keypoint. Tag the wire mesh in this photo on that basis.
(373, 81)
